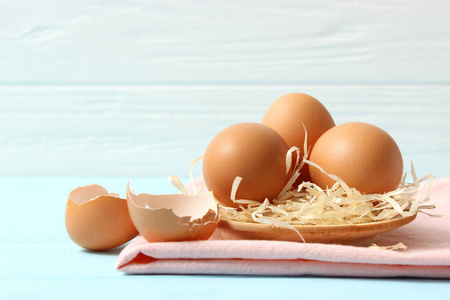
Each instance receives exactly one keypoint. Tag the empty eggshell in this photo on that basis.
(173, 217)
(98, 220)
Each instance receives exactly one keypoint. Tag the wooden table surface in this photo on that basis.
(110, 91)
(39, 261)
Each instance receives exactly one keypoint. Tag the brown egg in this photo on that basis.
(252, 151)
(289, 113)
(363, 155)
(97, 220)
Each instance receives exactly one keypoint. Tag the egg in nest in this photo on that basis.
(252, 151)
(291, 114)
(363, 155)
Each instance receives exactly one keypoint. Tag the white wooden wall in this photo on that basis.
(138, 88)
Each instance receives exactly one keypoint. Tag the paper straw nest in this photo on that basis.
(308, 204)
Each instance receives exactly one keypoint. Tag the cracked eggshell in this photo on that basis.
(98, 220)
(174, 217)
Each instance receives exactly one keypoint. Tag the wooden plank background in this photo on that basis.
(139, 88)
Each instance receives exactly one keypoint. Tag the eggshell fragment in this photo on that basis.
(98, 220)
(173, 217)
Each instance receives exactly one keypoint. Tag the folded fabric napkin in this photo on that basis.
(427, 255)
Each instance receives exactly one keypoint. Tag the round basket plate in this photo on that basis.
(337, 234)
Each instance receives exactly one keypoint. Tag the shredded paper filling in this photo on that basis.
(308, 204)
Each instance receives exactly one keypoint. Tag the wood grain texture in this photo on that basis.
(355, 234)
(159, 130)
(231, 42)
(138, 88)
(41, 262)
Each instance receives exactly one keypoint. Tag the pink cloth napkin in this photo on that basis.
(427, 255)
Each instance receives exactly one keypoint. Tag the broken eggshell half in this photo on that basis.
(173, 217)
(98, 220)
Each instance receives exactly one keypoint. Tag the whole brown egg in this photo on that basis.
(289, 113)
(252, 151)
(363, 155)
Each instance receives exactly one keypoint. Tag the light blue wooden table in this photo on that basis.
(39, 261)
(118, 89)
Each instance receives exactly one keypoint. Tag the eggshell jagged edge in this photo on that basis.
(173, 217)
(98, 220)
